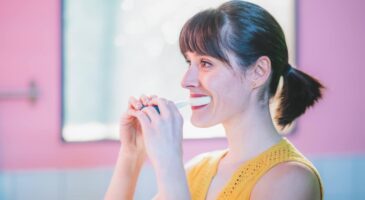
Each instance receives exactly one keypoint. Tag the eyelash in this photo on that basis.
(205, 64)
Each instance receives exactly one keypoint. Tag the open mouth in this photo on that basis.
(198, 102)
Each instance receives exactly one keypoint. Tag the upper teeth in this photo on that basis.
(199, 101)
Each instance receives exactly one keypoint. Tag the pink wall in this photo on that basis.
(331, 47)
(330, 41)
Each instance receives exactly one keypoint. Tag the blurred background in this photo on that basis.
(39, 161)
(113, 50)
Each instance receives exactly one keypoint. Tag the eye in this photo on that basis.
(205, 64)
(188, 62)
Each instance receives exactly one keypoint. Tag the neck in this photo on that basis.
(249, 133)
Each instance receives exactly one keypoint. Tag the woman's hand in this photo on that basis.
(130, 129)
(162, 132)
(162, 136)
(131, 155)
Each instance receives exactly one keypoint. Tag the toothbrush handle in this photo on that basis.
(179, 105)
(155, 106)
(157, 109)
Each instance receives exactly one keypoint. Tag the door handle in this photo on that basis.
(31, 93)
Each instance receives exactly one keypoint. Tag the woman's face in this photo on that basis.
(228, 89)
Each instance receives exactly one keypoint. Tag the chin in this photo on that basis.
(201, 123)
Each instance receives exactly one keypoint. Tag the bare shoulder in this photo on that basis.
(289, 180)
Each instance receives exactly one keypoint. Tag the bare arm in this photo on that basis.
(171, 180)
(188, 168)
(131, 155)
(162, 133)
(125, 176)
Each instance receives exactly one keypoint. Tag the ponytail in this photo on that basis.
(300, 91)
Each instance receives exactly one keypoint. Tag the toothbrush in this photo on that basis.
(197, 101)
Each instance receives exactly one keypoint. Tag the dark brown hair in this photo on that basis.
(248, 32)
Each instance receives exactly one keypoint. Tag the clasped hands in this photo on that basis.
(147, 131)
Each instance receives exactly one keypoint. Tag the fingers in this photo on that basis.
(141, 116)
(149, 107)
(134, 103)
(176, 111)
(162, 105)
(150, 98)
(138, 104)
(144, 99)
(151, 112)
(176, 115)
(167, 108)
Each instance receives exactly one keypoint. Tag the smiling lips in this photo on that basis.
(198, 107)
(192, 96)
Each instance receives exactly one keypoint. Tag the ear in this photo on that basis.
(260, 72)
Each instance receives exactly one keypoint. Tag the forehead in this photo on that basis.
(195, 55)
(190, 54)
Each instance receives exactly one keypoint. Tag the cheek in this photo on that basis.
(230, 96)
(216, 83)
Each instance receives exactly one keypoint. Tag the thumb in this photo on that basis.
(142, 118)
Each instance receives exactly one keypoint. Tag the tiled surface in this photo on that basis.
(38, 185)
(337, 177)
(84, 184)
(359, 178)
(343, 179)
(7, 186)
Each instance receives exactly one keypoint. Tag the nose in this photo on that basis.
(191, 78)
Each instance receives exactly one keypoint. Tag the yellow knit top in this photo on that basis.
(245, 178)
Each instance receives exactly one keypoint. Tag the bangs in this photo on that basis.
(202, 34)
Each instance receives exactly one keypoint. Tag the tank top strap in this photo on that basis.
(201, 175)
(246, 177)
(285, 151)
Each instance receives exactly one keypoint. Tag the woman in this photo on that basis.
(236, 56)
